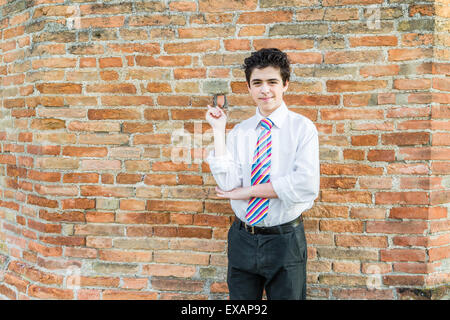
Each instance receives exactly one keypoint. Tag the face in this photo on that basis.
(266, 88)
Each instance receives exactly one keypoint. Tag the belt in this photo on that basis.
(282, 228)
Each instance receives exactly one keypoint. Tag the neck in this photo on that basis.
(265, 114)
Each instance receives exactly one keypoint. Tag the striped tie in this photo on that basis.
(258, 207)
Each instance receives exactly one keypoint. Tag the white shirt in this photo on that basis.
(294, 172)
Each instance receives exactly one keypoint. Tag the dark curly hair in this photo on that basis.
(266, 57)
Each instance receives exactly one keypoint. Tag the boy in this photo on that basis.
(269, 169)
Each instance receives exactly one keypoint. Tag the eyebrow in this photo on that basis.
(256, 80)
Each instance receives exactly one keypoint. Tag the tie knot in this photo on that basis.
(266, 123)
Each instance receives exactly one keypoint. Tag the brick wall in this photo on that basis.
(104, 191)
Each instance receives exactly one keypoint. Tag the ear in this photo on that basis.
(286, 86)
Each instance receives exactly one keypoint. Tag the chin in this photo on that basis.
(269, 106)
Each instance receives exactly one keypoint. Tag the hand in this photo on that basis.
(216, 117)
(235, 194)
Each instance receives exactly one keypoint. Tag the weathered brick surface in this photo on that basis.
(104, 191)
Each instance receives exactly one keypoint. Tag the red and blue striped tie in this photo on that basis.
(258, 207)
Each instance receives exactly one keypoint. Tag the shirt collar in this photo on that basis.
(277, 117)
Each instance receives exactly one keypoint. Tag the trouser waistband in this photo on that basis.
(282, 228)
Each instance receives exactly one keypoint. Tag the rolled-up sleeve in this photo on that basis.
(303, 184)
(227, 171)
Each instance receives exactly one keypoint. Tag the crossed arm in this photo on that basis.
(264, 190)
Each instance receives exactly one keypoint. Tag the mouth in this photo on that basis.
(265, 98)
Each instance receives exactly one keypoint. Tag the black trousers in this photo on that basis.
(274, 262)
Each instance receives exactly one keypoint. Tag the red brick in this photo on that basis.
(104, 191)
(404, 112)
(42, 202)
(337, 183)
(190, 232)
(231, 5)
(50, 293)
(408, 54)
(375, 183)
(361, 241)
(182, 258)
(421, 183)
(185, 206)
(125, 256)
(84, 151)
(363, 294)
(373, 41)
(167, 270)
(440, 253)
(441, 84)
(35, 274)
(401, 198)
(69, 216)
(408, 169)
(367, 140)
(128, 295)
(399, 280)
(103, 22)
(411, 84)
(424, 153)
(99, 281)
(163, 61)
(380, 71)
(342, 114)
(415, 213)
(130, 204)
(183, 6)
(401, 227)
(344, 169)
(110, 62)
(59, 88)
(189, 73)
(64, 241)
(381, 155)
(125, 88)
(16, 281)
(422, 10)
(177, 284)
(412, 268)
(264, 17)
(368, 213)
(81, 178)
(441, 139)
(403, 255)
(192, 46)
(125, 178)
(341, 226)
(79, 203)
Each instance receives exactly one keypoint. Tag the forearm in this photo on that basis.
(226, 171)
(264, 190)
(219, 142)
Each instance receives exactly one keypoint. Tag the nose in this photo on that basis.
(264, 88)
